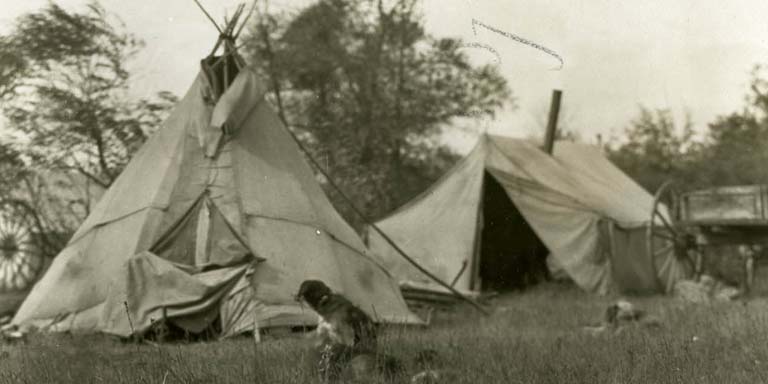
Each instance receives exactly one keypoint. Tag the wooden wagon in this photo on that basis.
(695, 220)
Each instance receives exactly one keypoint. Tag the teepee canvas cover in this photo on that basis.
(590, 217)
(216, 217)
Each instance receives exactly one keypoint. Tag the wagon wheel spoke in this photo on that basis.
(664, 221)
(664, 249)
(5, 225)
(27, 271)
(22, 234)
(31, 259)
(663, 235)
(15, 226)
(5, 270)
(26, 243)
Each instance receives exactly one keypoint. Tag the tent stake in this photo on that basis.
(256, 332)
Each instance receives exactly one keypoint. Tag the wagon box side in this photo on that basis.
(733, 205)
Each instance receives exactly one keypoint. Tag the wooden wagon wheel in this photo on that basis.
(663, 234)
(21, 258)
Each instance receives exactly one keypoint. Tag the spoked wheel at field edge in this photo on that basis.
(20, 257)
(663, 234)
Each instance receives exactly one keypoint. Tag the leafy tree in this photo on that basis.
(64, 92)
(736, 143)
(369, 92)
(11, 168)
(732, 152)
(656, 150)
(64, 83)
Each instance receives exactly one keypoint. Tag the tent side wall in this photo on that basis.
(438, 229)
(634, 270)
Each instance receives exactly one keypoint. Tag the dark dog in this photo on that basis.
(341, 322)
(346, 336)
(347, 340)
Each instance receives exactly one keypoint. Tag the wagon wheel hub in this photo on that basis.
(683, 242)
(8, 247)
(20, 257)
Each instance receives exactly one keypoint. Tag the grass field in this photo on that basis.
(533, 337)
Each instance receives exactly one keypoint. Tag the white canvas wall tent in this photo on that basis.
(217, 219)
(491, 221)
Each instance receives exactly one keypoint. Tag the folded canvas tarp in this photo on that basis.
(590, 216)
(216, 217)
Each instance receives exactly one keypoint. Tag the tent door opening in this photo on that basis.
(511, 255)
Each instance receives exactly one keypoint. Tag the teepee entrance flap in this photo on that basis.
(203, 239)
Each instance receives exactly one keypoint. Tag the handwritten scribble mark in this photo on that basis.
(486, 47)
(519, 39)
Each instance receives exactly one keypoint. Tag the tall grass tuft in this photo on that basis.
(531, 337)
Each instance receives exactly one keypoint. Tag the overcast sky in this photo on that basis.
(617, 55)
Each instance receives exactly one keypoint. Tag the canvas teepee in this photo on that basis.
(501, 210)
(217, 219)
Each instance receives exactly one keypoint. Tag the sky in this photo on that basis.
(684, 55)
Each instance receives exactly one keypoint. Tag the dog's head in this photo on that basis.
(313, 292)
(612, 314)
